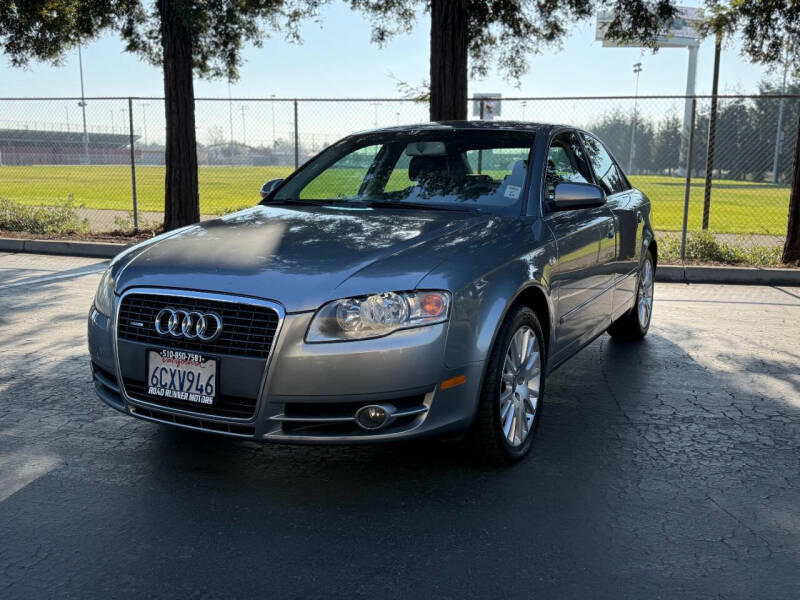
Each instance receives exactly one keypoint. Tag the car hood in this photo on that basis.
(302, 257)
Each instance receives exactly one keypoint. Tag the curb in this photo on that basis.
(664, 273)
(83, 249)
(727, 275)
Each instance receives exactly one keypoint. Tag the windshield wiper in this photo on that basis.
(372, 204)
(420, 205)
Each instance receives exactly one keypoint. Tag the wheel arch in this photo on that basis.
(535, 298)
(653, 248)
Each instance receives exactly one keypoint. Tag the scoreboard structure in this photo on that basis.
(682, 33)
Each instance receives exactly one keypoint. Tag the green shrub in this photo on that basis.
(703, 246)
(126, 224)
(62, 218)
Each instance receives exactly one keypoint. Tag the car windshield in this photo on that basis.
(446, 169)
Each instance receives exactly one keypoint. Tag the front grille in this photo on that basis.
(224, 406)
(247, 329)
(212, 426)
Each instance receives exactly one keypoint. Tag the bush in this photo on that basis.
(703, 246)
(125, 224)
(62, 218)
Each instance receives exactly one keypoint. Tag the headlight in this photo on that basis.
(377, 315)
(104, 298)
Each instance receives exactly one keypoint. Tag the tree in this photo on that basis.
(215, 136)
(615, 128)
(185, 37)
(666, 151)
(765, 111)
(734, 140)
(791, 248)
(504, 32)
(770, 35)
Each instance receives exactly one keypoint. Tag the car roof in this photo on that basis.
(467, 125)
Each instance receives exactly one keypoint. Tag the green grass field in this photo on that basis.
(109, 187)
(736, 206)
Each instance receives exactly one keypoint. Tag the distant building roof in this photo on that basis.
(63, 138)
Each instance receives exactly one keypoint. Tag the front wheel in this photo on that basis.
(633, 325)
(511, 397)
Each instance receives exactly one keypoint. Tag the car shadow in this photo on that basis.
(652, 475)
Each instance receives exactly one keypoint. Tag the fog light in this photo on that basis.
(375, 416)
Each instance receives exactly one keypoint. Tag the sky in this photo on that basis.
(337, 60)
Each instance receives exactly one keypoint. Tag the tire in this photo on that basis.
(635, 323)
(504, 396)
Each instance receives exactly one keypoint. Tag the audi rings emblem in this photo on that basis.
(188, 324)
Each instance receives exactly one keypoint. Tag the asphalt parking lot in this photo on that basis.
(664, 469)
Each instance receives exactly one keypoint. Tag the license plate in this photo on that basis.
(181, 375)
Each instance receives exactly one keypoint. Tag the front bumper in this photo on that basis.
(305, 393)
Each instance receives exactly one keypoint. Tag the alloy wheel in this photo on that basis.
(645, 307)
(520, 384)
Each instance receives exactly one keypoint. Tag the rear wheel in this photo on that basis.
(633, 325)
(511, 397)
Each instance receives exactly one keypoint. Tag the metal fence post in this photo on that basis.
(480, 152)
(296, 138)
(687, 192)
(712, 134)
(133, 168)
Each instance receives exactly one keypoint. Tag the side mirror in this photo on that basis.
(269, 187)
(569, 196)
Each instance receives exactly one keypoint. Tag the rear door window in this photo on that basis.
(605, 169)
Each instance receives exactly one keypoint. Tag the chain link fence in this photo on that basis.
(78, 156)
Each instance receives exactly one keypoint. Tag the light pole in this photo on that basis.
(143, 106)
(113, 129)
(230, 120)
(376, 105)
(524, 105)
(779, 129)
(274, 140)
(66, 110)
(637, 68)
(244, 130)
(82, 104)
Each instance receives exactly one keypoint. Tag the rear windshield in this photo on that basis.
(466, 169)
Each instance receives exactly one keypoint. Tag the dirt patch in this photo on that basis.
(104, 221)
(738, 239)
(698, 263)
(108, 237)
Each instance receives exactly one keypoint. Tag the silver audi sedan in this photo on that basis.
(405, 282)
